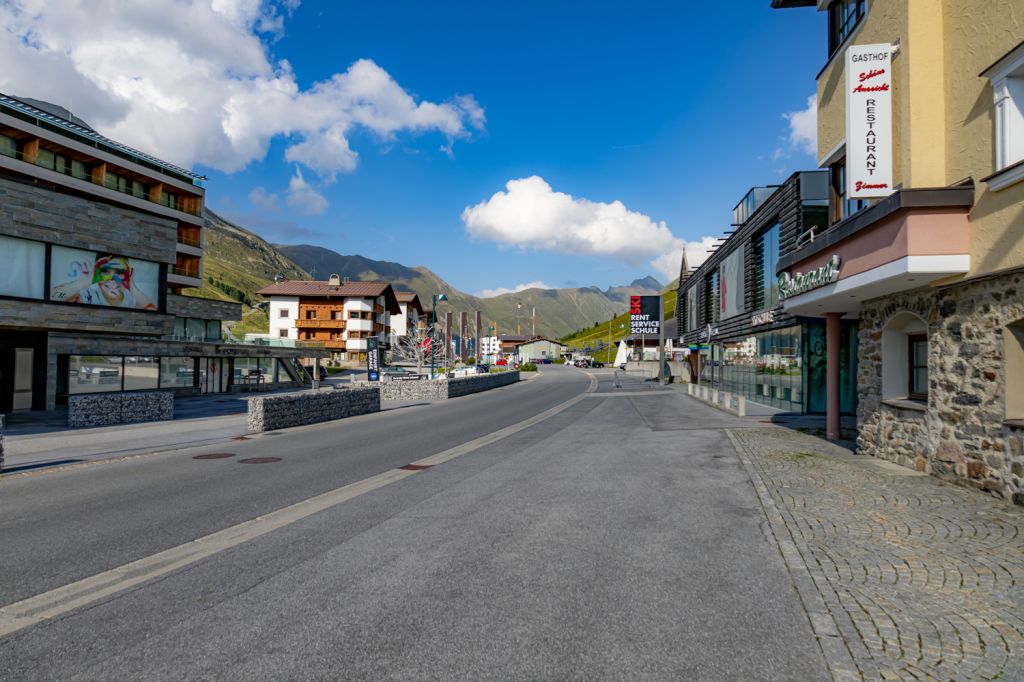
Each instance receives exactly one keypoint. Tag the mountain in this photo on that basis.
(559, 311)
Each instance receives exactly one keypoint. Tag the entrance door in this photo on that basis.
(211, 380)
(23, 358)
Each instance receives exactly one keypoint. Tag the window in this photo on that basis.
(310, 314)
(94, 373)
(766, 260)
(22, 267)
(1007, 78)
(353, 315)
(842, 207)
(8, 146)
(282, 333)
(711, 305)
(282, 313)
(1013, 338)
(917, 366)
(169, 199)
(843, 17)
(213, 330)
(177, 372)
(141, 373)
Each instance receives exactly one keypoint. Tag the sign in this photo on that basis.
(644, 315)
(372, 359)
(869, 121)
(730, 287)
(708, 332)
(812, 279)
(766, 317)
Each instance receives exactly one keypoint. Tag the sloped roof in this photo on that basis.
(411, 298)
(317, 289)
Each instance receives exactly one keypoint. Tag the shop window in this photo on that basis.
(1013, 337)
(141, 373)
(177, 372)
(843, 17)
(905, 358)
(94, 373)
(842, 207)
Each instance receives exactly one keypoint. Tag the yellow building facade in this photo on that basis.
(932, 270)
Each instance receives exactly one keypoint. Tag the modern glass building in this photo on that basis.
(730, 308)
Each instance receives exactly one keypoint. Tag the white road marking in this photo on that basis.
(61, 600)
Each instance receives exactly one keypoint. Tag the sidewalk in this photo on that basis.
(904, 577)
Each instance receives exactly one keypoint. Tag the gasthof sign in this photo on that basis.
(869, 121)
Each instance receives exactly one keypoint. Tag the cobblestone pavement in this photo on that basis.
(903, 577)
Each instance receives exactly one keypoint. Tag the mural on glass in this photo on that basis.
(103, 279)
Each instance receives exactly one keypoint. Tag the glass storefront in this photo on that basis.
(783, 368)
(108, 373)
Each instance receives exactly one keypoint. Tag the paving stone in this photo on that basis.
(921, 580)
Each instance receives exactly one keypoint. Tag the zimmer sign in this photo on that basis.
(644, 315)
(869, 121)
(812, 279)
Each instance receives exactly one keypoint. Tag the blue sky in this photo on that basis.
(673, 109)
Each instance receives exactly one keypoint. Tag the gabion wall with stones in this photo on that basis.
(960, 436)
(438, 389)
(131, 407)
(281, 411)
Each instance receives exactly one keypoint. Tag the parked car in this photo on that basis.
(323, 371)
(595, 363)
(483, 369)
(501, 362)
(545, 361)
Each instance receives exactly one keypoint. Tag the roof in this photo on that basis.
(411, 298)
(540, 338)
(49, 116)
(317, 289)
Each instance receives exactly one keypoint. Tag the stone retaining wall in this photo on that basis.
(438, 389)
(281, 411)
(130, 407)
(959, 434)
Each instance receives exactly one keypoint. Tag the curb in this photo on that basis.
(833, 648)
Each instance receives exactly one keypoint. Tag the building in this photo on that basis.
(98, 242)
(539, 348)
(340, 315)
(410, 315)
(740, 337)
(925, 243)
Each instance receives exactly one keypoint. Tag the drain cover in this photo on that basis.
(416, 467)
(215, 455)
(259, 460)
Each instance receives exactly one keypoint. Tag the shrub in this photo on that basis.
(558, 361)
(470, 361)
(528, 367)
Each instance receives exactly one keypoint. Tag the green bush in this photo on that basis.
(336, 370)
(528, 367)
(470, 361)
(559, 361)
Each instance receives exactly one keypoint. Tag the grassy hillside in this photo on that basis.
(618, 326)
(559, 311)
(236, 264)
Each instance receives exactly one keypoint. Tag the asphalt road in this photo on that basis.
(619, 538)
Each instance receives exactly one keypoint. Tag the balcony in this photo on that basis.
(335, 344)
(320, 324)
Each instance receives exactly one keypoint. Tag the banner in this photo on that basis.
(868, 121)
(372, 359)
(730, 284)
(644, 315)
(96, 278)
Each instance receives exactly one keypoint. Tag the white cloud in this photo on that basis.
(491, 293)
(260, 198)
(202, 88)
(529, 214)
(803, 128)
(303, 198)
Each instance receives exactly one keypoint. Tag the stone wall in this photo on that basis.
(438, 389)
(131, 407)
(33, 212)
(461, 386)
(282, 411)
(960, 435)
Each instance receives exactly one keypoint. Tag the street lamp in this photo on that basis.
(433, 321)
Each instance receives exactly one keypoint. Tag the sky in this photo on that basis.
(500, 144)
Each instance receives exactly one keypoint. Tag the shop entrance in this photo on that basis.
(213, 375)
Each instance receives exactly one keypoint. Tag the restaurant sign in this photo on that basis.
(790, 286)
(869, 121)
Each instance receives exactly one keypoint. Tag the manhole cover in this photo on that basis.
(416, 467)
(259, 460)
(215, 455)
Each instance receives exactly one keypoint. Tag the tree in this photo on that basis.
(417, 349)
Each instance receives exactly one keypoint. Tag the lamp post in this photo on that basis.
(433, 321)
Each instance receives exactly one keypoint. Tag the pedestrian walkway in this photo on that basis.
(904, 577)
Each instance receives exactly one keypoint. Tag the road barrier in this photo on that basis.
(720, 399)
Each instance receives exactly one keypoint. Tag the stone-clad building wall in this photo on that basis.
(296, 409)
(130, 407)
(963, 434)
(37, 213)
(205, 308)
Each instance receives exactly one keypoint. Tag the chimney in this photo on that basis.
(346, 279)
(334, 280)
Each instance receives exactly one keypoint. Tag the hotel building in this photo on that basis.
(922, 103)
(97, 243)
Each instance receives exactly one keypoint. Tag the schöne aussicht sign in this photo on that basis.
(644, 315)
(869, 121)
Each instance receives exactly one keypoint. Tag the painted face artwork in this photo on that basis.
(113, 275)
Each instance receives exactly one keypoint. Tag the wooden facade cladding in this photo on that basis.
(783, 207)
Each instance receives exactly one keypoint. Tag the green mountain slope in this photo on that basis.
(559, 311)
